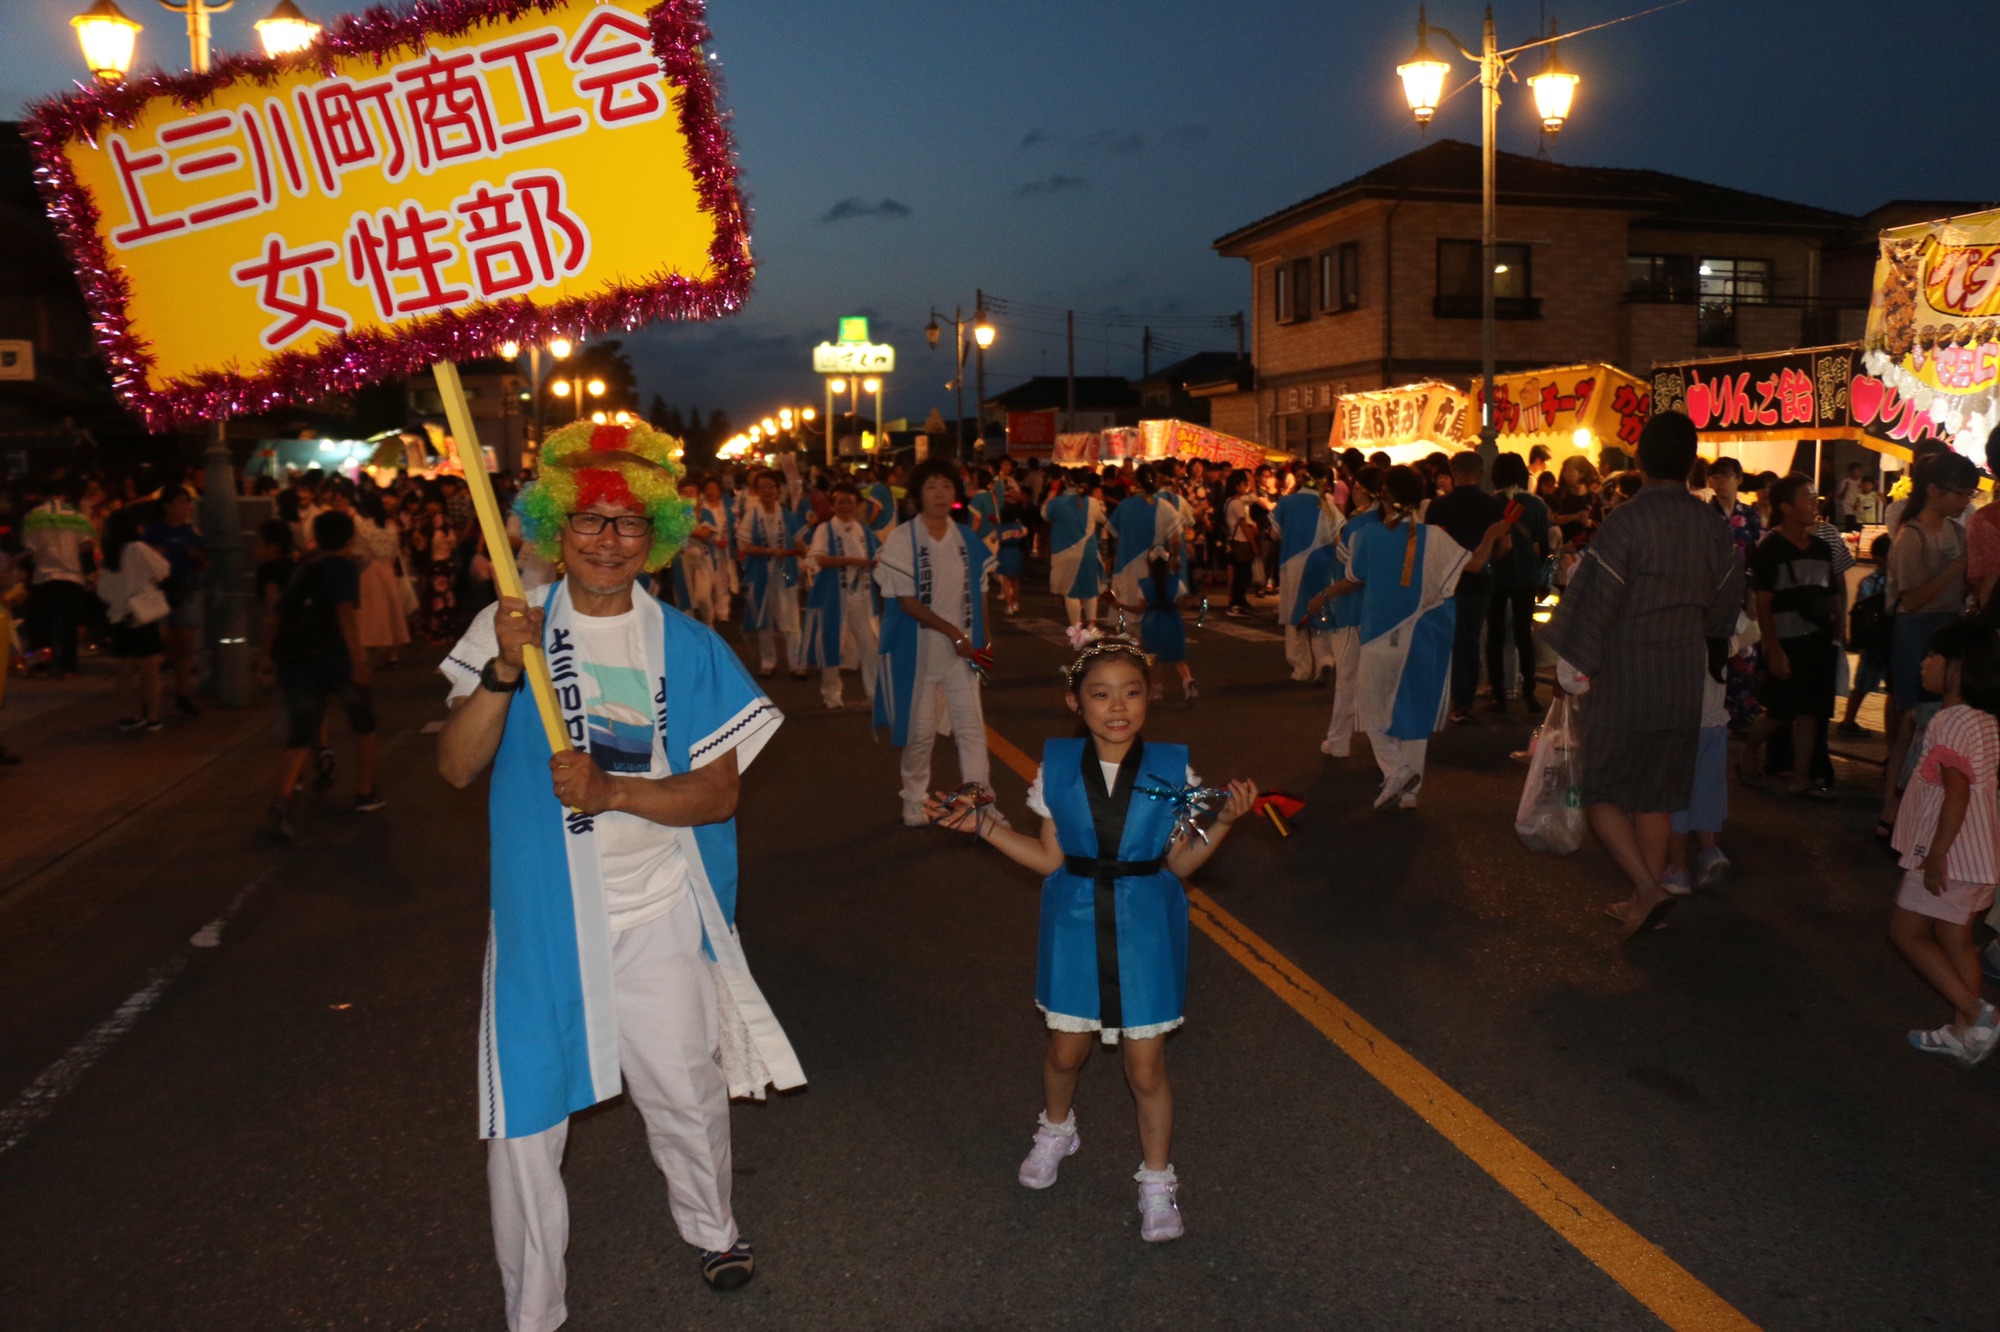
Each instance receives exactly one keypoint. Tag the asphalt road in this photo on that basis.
(284, 1136)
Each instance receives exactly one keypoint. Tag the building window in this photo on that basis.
(1724, 285)
(1305, 434)
(1458, 287)
(1665, 278)
(1281, 294)
(1340, 278)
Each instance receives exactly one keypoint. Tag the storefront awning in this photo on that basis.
(1780, 398)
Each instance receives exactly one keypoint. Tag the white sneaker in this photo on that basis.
(1052, 1143)
(1676, 882)
(914, 817)
(1404, 784)
(1159, 1206)
(1710, 866)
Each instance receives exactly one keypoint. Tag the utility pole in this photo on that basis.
(1071, 421)
(1237, 319)
(1146, 353)
(979, 360)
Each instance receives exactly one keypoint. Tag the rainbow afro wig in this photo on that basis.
(586, 464)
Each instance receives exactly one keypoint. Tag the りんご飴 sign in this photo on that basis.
(417, 187)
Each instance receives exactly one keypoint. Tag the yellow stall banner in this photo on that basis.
(1933, 337)
(1432, 414)
(416, 187)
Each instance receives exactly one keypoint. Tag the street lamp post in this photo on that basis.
(982, 336)
(109, 40)
(1423, 77)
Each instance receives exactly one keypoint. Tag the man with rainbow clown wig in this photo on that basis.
(612, 959)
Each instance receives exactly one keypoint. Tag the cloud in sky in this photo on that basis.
(1186, 136)
(1049, 185)
(1118, 143)
(1036, 137)
(855, 206)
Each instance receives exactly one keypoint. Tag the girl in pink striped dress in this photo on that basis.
(1948, 831)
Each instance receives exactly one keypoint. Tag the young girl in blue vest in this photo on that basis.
(1113, 959)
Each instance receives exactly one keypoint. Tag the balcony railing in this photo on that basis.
(1504, 307)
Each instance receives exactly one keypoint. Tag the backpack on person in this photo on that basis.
(1869, 625)
(308, 616)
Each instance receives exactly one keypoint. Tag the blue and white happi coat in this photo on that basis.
(1076, 569)
(1113, 948)
(768, 577)
(548, 1034)
(904, 557)
(1142, 524)
(1408, 574)
(1306, 521)
(824, 623)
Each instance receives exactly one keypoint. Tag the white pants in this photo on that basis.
(1081, 610)
(1398, 759)
(1346, 662)
(699, 571)
(784, 620)
(859, 643)
(1307, 650)
(943, 675)
(666, 1049)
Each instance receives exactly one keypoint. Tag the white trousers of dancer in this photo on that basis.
(667, 1040)
(785, 621)
(1081, 610)
(859, 643)
(1346, 661)
(1307, 650)
(698, 568)
(944, 681)
(1398, 759)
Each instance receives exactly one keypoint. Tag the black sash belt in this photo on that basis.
(1094, 867)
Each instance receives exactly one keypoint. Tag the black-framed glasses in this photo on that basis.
(627, 525)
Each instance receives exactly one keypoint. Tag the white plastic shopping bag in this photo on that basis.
(1550, 817)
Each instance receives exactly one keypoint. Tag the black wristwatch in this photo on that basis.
(490, 679)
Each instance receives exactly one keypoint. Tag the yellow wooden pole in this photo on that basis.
(493, 525)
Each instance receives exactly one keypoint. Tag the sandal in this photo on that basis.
(1884, 830)
(1938, 1041)
(1819, 791)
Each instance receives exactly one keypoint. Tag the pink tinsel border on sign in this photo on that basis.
(354, 360)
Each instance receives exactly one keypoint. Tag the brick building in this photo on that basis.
(1375, 282)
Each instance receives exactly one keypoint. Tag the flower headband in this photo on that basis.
(1092, 643)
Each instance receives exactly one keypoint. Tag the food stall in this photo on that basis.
(1930, 357)
(1569, 409)
(1152, 440)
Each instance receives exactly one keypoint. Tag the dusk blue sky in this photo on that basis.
(899, 154)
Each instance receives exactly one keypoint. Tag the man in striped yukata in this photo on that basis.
(1655, 595)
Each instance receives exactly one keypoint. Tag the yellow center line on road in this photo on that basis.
(1673, 1293)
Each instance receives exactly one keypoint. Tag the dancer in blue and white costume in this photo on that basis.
(1317, 604)
(932, 571)
(840, 626)
(1143, 523)
(1076, 567)
(1306, 521)
(1113, 955)
(1406, 572)
(770, 537)
(612, 960)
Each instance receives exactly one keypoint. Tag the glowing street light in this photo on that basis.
(982, 333)
(286, 31)
(1554, 89)
(560, 388)
(108, 39)
(808, 414)
(1423, 74)
(1423, 87)
(838, 385)
(510, 351)
(596, 387)
(770, 426)
(560, 348)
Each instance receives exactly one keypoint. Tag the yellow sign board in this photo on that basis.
(396, 196)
